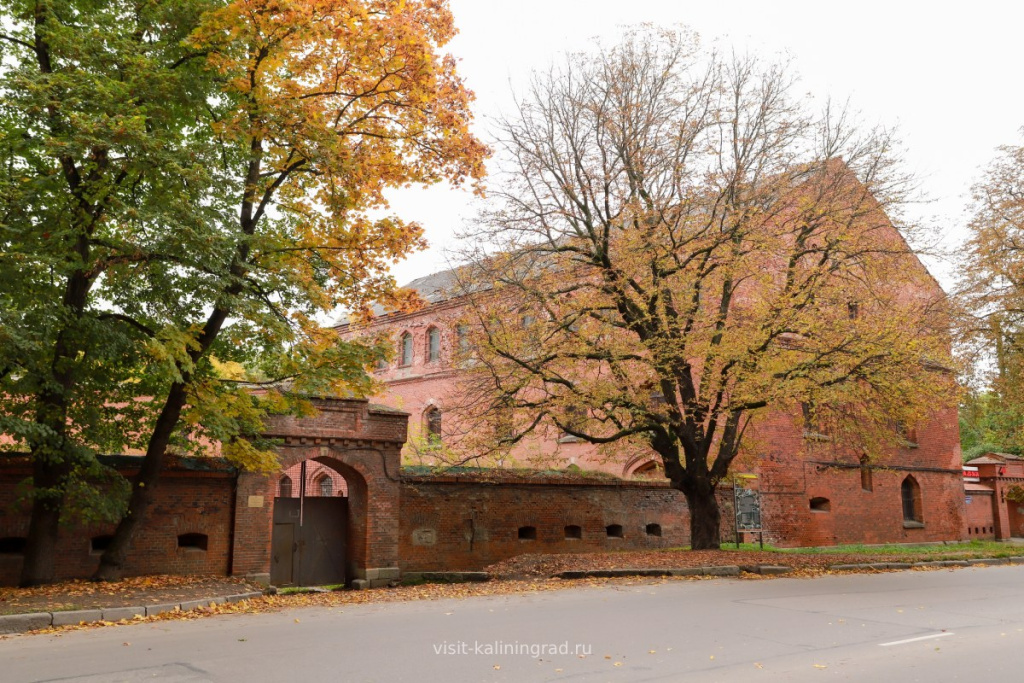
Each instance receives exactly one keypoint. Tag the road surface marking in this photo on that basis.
(914, 640)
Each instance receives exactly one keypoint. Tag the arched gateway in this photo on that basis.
(353, 538)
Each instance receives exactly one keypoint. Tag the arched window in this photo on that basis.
(433, 345)
(326, 486)
(406, 349)
(433, 424)
(649, 470)
(285, 487)
(865, 474)
(910, 492)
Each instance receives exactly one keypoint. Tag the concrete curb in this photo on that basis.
(778, 570)
(20, 623)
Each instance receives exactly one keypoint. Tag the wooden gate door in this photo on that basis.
(308, 543)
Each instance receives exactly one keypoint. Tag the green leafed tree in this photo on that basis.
(992, 298)
(187, 186)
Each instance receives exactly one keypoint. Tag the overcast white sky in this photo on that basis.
(947, 75)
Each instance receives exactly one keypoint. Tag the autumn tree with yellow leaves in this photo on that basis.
(186, 186)
(678, 247)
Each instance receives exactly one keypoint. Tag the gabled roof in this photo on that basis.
(434, 287)
(993, 459)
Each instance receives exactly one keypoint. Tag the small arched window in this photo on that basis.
(433, 424)
(649, 470)
(326, 486)
(433, 345)
(405, 349)
(910, 492)
(285, 487)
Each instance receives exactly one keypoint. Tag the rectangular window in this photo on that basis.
(433, 345)
(406, 349)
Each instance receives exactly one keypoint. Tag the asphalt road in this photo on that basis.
(964, 624)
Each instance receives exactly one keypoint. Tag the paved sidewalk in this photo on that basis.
(73, 602)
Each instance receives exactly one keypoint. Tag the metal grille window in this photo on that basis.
(285, 487)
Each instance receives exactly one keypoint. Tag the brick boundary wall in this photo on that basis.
(194, 499)
(461, 523)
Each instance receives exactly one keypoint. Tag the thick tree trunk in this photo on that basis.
(705, 517)
(41, 550)
(144, 486)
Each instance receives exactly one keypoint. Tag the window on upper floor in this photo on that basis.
(405, 349)
(462, 334)
(433, 345)
(432, 422)
(285, 487)
(907, 433)
(814, 427)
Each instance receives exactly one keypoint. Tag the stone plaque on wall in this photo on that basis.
(424, 537)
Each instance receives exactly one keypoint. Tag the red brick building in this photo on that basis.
(814, 491)
(994, 487)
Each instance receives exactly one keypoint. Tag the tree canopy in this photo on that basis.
(187, 187)
(679, 246)
(992, 298)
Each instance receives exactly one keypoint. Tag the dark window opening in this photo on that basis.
(653, 530)
(433, 345)
(910, 492)
(573, 532)
(819, 504)
(13, 545)
(614, 530)
(285, 487)
(853, 310)
(100, 543)
(193, 541)
(528, 533)
(865, 474)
